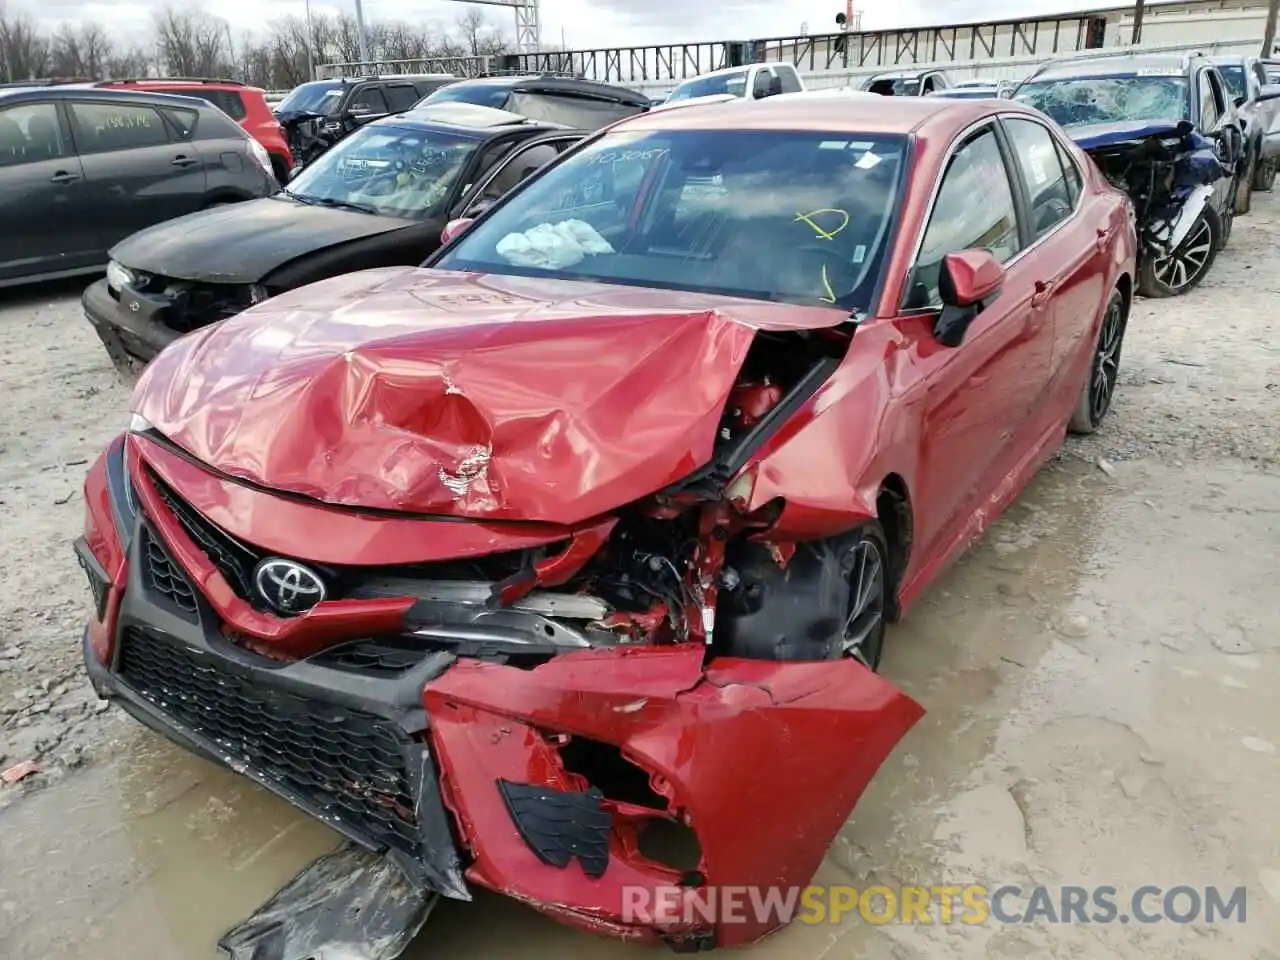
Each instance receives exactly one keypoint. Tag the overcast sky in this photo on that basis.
(585, 23)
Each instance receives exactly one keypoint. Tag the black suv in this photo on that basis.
(83, 167)
(318, 114)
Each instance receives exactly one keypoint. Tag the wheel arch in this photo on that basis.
(893, 510)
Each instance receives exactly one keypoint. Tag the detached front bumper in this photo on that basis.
(132, 337)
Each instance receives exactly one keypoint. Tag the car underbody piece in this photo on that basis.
(350, 904)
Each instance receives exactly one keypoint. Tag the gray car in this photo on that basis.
(1247, 80)
(82, 167)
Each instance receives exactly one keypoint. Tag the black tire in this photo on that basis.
(1104, 368)
(868, 542)
(1264, 175)
(1244, 188)
(1159, 277)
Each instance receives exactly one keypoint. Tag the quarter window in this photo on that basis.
(1041, 171)
(401, 96)
(30, 133)
(102, 127)
(974, 209)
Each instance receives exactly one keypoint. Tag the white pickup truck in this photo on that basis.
(752, 81)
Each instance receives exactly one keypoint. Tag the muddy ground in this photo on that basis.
(1100, 675)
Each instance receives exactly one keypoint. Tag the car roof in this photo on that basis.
(721, 72)
(1114, 65)
(853, 112)
(906, 74)
(91, 91)
(539, 83)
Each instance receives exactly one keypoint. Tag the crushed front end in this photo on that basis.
(561, 712)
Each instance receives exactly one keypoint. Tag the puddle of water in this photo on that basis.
(158, 852)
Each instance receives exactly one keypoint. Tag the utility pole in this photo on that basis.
(360, 32)
(311, 39)
(1138, 11)
(1269, 34)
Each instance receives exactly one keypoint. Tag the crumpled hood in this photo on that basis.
(436, 392)
(243, 242)
(1090, 136)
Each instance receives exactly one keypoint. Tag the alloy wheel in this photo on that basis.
(864, 625)
(1183, 267)
(1106, 361)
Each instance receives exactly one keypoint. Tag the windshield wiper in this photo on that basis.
(344, 204)
(297, 196)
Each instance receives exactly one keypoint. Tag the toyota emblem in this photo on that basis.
(288, 588)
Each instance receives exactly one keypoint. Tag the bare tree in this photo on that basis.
(192, 43)
(479, 35)
(83, 51)
(24, 52)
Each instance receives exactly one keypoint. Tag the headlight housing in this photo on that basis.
(118, 275)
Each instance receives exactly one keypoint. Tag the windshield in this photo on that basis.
(322, 96)
(733, 83)
(1234, 75)
(801, 218)
(481, 94)
(1085, 100)
(387, 170)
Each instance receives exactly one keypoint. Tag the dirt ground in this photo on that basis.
(1099, 675)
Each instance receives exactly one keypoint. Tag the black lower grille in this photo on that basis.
(165, 577)
(348, 764)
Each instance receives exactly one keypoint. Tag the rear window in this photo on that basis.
(228, 101)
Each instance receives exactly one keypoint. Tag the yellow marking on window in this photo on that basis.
(824, 234)
(826, 285)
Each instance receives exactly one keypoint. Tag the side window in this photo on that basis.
(974, 208)
(927, 87)
(790, 79)
(1209, 111)
(101, 127)
(520, 164)
(760, 86)
(401, 96)
(30, 133)
(368, 100)
(183, 120)
(1041, 170)
(1074, 182)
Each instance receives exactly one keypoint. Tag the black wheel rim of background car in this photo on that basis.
(863, 634)
(1106, 361)
(1184, 266)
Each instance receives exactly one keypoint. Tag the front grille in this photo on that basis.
(234, 560)
(348, 764)
(386, 657)
(165, 577)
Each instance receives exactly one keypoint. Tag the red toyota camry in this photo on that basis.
(590, 530)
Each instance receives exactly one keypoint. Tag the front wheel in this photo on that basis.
(1184, 268)
(1264, 175)
(1244, 187)
(1104, 369)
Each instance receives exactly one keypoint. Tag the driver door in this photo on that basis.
(978, 396)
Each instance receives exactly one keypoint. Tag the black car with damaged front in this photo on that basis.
(1164, 130)
(380, 198)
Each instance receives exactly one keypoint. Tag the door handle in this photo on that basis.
(63, 177)
(1044, 289)
(1104, 237)
(183, 161)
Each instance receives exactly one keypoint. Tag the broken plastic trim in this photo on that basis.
(350, 904)
(709, 481)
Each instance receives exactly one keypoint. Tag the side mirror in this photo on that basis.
(969, 280)
(455, 227)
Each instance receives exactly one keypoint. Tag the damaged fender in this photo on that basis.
(1191, 210)
(762, 761)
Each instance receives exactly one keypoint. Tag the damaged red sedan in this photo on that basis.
(585, 536)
